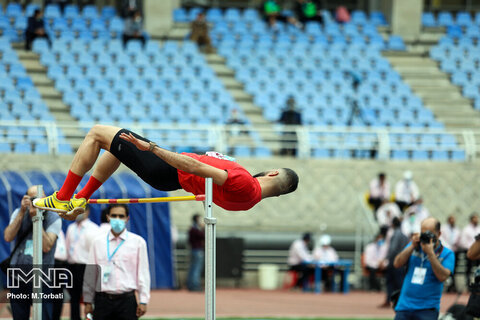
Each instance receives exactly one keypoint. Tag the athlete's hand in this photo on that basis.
(140, 144)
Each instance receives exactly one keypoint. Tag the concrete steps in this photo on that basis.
(434, 87)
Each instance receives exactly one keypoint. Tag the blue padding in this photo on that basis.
(150, 221)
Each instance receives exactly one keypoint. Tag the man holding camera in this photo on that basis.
(429, 264)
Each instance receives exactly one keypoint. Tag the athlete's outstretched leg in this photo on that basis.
(99, 137)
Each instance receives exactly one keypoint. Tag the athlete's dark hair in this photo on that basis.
(117, 205)
(287, 182)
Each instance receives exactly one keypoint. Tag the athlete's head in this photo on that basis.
(286, 180)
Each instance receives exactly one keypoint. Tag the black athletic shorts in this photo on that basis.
(145, 164)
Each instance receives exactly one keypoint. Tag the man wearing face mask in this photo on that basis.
(406, 191)
(20, 230)
(79, 237)
(429, 264)
(123, 269)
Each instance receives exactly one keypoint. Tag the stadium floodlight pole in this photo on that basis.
(209, 253)
(37, 221)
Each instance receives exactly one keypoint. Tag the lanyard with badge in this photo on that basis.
(107, 270)
(419, 273)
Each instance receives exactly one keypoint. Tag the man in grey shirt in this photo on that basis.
(20, 228)
(394, 276)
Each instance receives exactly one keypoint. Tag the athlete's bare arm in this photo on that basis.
(180, 161)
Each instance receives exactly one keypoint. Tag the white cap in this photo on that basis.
(325, 240)
(408, 175)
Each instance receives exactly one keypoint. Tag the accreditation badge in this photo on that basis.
(419, 275)
(106, 272)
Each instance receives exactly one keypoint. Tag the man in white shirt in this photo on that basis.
(325, 253)
(375, 255)
(299, 257)
(78, 241)
(467, 239)
(379, 191)
(413, 217)
(406, 191)
(387, 212)
(122, 260)
(450, 238)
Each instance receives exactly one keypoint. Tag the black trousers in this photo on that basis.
(30, 36)
(76, 291)
(127, 38)
(305, 272)
(122, 307)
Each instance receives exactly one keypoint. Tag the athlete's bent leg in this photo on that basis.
(99, 137)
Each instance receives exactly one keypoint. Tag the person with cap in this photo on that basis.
(299, 258)
(324, 252)
(406, 191)
(379, 191)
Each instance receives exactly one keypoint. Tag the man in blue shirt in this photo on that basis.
(429, 265)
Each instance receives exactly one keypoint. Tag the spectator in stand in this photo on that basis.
(130, 6)
(299, 257)
(386, 212)
(78, 239)
(196, 240)
(326, 253)
(306, 10)
(429, 264)
(290, 116)
(413, 217)
(342, 15)
(199, 33)
(375, 254)
(272, 12)
(394, 276)
(134, 29)
(236, 121)
(450, 238)
(35, 29)
(406, 191)
(379, 191)
(467, 239)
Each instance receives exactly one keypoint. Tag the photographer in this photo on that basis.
(429, 264)
(20, 230)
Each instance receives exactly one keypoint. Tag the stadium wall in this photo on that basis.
(330, 192)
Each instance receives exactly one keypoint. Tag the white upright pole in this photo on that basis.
(209, 253)
(37, 221)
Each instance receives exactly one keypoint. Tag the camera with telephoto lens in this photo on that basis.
(426, 236)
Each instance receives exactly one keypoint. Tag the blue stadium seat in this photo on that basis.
(5, 147)
(52, 11)
(90, 12)
(463, 19)
(22, 148)
(42, 148)
(421, 155)
(108, 12)
(428, 19)
(445, 19)
(396, 43)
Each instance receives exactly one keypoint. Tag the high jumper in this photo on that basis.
(234, 188)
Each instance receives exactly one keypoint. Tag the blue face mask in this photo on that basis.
(117, 225)
(380, 242)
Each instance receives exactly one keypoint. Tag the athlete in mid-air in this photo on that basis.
(234, 188)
